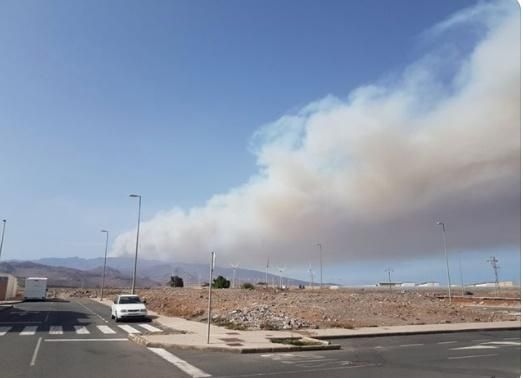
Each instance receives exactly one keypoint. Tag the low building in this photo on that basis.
(8, 286)
(408, 284)
(493, 284)
(388, 284)
(429, 284)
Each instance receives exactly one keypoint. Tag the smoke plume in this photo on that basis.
(369, 175)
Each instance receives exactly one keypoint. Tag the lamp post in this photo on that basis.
(105, 262)
(389, 271)
(234, 267)
(321, 266)
(4, 221)
(133, 286)
(446, 255)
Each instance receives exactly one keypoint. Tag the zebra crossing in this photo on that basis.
(79, 329)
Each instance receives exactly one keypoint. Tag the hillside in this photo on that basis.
(60, 276)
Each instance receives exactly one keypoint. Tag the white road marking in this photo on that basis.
(472, 356)
(81, 330)
(186, 367)
(105, 329)
(447, 342)
(4, 330)
(69, 340)
(150, 328)
(476, 347)
(410, 345)
(46, 317)
(503, 343)
(56, 330)
(92, 312)
(29, 330)
(35, 353)
(129, 329)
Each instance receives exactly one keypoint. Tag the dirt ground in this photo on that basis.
(348, 308)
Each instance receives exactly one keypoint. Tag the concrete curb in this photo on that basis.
(420, 332)
(138, 339)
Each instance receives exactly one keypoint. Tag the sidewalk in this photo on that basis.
(194, 335)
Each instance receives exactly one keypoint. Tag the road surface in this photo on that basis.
(78, 339)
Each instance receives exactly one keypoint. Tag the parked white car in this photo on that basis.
(128, 306)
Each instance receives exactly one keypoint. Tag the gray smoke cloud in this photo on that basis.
(368, 176)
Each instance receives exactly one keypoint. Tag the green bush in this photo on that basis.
(221, 282)
(176, 281)
(248, 286)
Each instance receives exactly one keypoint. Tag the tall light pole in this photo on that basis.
(133, 286)
(446, 255)
(461, 276)
(4, 221)
(389, 271)
(105, 262)
(234, 267)
(321, 266)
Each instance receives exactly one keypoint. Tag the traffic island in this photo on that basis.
(247, 344)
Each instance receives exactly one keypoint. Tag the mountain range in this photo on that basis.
(87, 272)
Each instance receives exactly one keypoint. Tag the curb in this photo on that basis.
(215, 348)
(5, 307)
(421, 332)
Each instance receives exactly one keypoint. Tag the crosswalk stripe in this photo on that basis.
(105, 329)
(29, 330)
(81, 330)
(4, 330)
(129, 329)
(56, 330)
(150, 328)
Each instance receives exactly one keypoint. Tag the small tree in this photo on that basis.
(221, 282)
(176, 281)
(248, 286)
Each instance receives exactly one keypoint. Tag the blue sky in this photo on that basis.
(101, 99)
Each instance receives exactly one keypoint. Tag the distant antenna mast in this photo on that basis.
(494, 263)
(312, 276)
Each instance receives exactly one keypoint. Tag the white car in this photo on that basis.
(128, 306)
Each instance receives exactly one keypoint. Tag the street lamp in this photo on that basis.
(321, 266)
(133, 286)
(446, 254)
(234, 267)
(4, 221)
(105, 262)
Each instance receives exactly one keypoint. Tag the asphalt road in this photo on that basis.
(78, 339)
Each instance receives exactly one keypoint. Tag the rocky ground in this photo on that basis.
(347, 308)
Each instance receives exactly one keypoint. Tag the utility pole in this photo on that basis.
(211, 268)
(312, 276)
(389, 271)
(4, 221)
(446, 255)
(494, 263)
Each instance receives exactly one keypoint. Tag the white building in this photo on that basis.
(8, 286)
(429, 284)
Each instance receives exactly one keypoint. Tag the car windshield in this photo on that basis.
(129, 300)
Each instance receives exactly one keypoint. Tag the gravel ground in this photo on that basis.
(346, 308)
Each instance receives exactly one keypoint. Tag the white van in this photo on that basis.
(35, 288)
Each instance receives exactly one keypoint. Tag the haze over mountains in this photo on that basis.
(82, 272)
